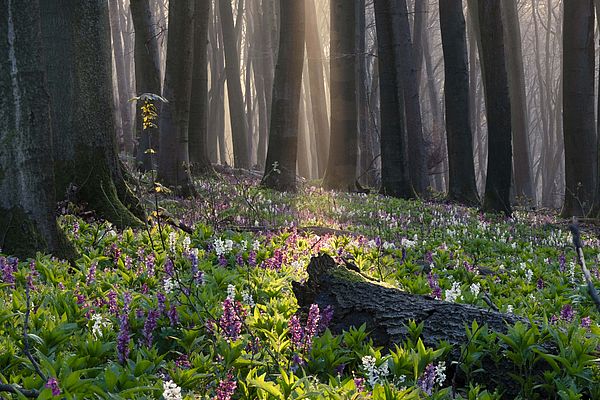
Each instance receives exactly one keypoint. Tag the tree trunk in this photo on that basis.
(76, 39)
(578, 107)
(234, 87)
(395, 179)
(314, 54)
(147, 76)
(122, 94)
(516, 85)
(198, 127)
(499, 168)
(343, 148)
(407, 78)
(386, 311)
(462, 185)
(280, 168)
(27, 201)
(173, 158)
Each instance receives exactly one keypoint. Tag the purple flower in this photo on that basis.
(8, 267)
(297, 362)
(326, 317)
(150, 326)
(567, 313)
(112, 302)
(360, 384)
(434, 285)
(274, 263)
(183, 362)
(226, 388)
(339, 370)
(252, 258)
(32, 275)
(169, 268)
(586, 322)
(123, 336)
(427, 380)
(173, 316)
(53, 384)
(540, 283)
(222, 261)
(116, 252)
(561, 262)
(231, 320)
(161, 298)
(239, 260)
(91, 276)
(312, 325)
(149, 264)
(296, 331)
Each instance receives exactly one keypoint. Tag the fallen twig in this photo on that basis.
(581, 260)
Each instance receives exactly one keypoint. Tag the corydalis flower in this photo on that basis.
(91, 276)
(434, 285)
(226, 388)
(433, 375)
(231, 320)
(150, 326)
(296, 331)
(171, 391)
(53, 385)
(567, 313)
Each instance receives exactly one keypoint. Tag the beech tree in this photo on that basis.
(76, 44)
(497, 101)
(173, 157)
(280, 168)
(147, 75)
(578, 107)
(343, 147)
(27, 202)
(462, 186)
(395, 179)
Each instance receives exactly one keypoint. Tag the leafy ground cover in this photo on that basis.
(160, 313)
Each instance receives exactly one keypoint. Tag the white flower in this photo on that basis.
(454, 293)
(528, 275)
(509, 309)
(172, 241)
(388, 245)
(219, 246)
(230, 291)
(256, 245)
(186, 243)
(440, 373)
(372, 244)
(228, 245)
(169, 285)
(475, 288)
(100, 322)
(247, 299)
(171, 391)
(408, 243)
(373, 373)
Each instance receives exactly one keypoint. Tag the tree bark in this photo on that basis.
(314, 54)
(287, 87)
(386, 311)
(578, 107)
(395, 179)
(407, 78)
(523, 178)
(499, 168)
(173, 158)
(76, 40)
(147, 75)
(234, 87)
(27, 197)
(198, 127)
(462, 185)
(343, 148)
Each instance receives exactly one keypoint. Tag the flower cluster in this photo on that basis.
(226, 388)
(454, 293)
(374, 373)
(171, 391)
(433, 375)
(52, 384)
(100, 323)
(231, 320)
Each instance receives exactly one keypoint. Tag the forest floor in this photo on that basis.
(210, 313)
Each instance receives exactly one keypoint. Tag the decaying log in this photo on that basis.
(386, 311)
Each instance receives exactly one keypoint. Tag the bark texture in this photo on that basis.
(578, 107)
(499, 168)
(234, 87)
(462, 186)
(395, 179)
(386, 311)
(283, 134)
(343, 148)
(76, 41)
(173, 158)
(27, 200)
(198, 128)
(147, 75)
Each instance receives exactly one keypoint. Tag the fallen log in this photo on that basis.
(386, 311)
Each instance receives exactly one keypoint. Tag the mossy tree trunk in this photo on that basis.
(76, 38)
(283, 131)
(27, 198)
